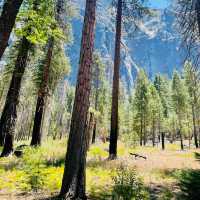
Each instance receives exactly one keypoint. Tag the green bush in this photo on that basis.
(128, 186)
(189, 182)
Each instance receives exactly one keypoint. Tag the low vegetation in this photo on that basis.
(164, 175)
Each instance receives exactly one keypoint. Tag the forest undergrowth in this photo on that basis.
(163, 175)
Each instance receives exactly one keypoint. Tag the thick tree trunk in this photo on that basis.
(73, 183)
(42, 95)
(9, 114)
(115, 91)
(36, 134)
(7, 22)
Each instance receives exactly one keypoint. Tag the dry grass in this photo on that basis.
(157, 170)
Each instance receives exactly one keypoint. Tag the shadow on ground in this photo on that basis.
(187, 187)
(189, 182)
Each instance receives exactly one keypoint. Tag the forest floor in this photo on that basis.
(38, 174)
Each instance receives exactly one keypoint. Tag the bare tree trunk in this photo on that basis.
(163, 140)
(114, 131)
(90, 128)
(94, 132)
(153, 133)
(73, 183)
(181, 138)
(194, 127)
(9, 114)
(141, 130)
(42, 95)
(7, 22)
(145, 132)
(96, 107)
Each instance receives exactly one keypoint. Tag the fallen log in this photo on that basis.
(138, 156)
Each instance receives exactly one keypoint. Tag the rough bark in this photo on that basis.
(115, 91)
(9, 114)
(73, 183)
(7, 22)
(42, 95)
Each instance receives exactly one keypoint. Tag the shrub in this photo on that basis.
(97, 153)
(189, 182)
(127, 186)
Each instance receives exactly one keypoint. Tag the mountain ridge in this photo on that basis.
(155, 46)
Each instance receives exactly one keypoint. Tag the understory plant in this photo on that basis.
(128, 186)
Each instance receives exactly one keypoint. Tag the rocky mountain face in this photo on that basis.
(155, 46)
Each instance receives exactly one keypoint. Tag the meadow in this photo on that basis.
(164, 175)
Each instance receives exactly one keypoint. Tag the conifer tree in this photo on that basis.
(155, 111)
(179, 99)
(74, 180)
(131, 10)
(7, 21)
(98, 76)
(141, 106)
(53, 66)
(191, 76)
(35, 11)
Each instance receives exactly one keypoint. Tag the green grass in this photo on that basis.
(41, 169)
(38, 169)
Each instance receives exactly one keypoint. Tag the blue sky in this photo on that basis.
(159, 3)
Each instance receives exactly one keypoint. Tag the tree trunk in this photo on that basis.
(145, 132)
(90, 127)
(141, 130)
(7, 22)
(115, 91)
(96, 105)
(181, 139)
(94, 132)
(43, 91)
(42, 95)
(194, 126)
(163, 140)
(9, 114)
(73, 183)
(153, 133)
